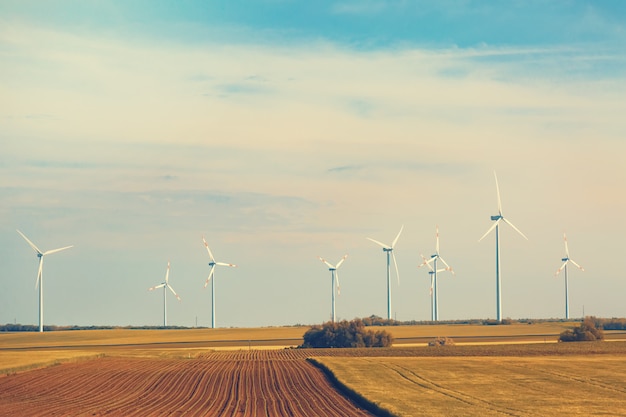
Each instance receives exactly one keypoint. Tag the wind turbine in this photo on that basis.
(335, 280)
(434, 298)
(499, 218)
(39, 282)
(567, 260)
(389, 250)
(212, 264)
(165, 285)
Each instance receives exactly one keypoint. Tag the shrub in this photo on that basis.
(586, 332)
(345, 334)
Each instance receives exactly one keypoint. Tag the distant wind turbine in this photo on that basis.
(567, 260)
(499, 218)
(165, 285)
(335, 280)
(212, 264)
(389, 250)
(39, 282)
(434, 297)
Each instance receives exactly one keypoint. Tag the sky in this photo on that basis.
(286, 130)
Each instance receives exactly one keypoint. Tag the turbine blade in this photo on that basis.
(57, 250)
(432, 282)
(32, 245)
(493, 226)
(379, 243)
(167, 273)
(225, 264)
(498, 193)
(341, 261)
(208, 250)
(337, 279)
(393, 255)
(156, 287)
(437, 240)
(426, 262)
(393, 244)
(516, 229)
(558, 271)
(210, 275)
(39, 272)
(326, 262)
(173, 292)
(578, 266)
(448, 267)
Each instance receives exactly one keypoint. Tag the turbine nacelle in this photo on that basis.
(39, 282)
(335, 276)
(497, 217)
(390, 254)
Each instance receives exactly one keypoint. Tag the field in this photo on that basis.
(225, 383)
(247, 372)
(488, 386)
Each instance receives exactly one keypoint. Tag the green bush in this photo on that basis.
(586, 332)
(345, 334)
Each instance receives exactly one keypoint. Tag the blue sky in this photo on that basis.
(283, 131)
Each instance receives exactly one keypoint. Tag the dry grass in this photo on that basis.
(89, 338)
(486, 386)
(18, 361)
(476, 330)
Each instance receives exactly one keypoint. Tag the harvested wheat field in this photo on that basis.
(577, 379)
(229, 383)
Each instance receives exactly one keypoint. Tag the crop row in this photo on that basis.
(237, 383)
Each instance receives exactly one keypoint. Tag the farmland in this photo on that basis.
(241, 383)
(247, 372)
(489, 386)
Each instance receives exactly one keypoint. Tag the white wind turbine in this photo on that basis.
(165, 285)
(434, 297)
(335, 280)
(39, 282)
(499, 218)
(212, 264)
(389, 250)
(567, 260)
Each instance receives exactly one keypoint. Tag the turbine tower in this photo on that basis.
(434, 297)
(335, 280)
(165, 285)
(567, 260)
(497, 219)
(389, 250)
(39, 282)
(212, 264)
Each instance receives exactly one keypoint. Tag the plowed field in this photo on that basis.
(234, 383)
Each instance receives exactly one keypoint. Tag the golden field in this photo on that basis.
(577, 385)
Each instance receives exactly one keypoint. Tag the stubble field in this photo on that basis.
(488, 386)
